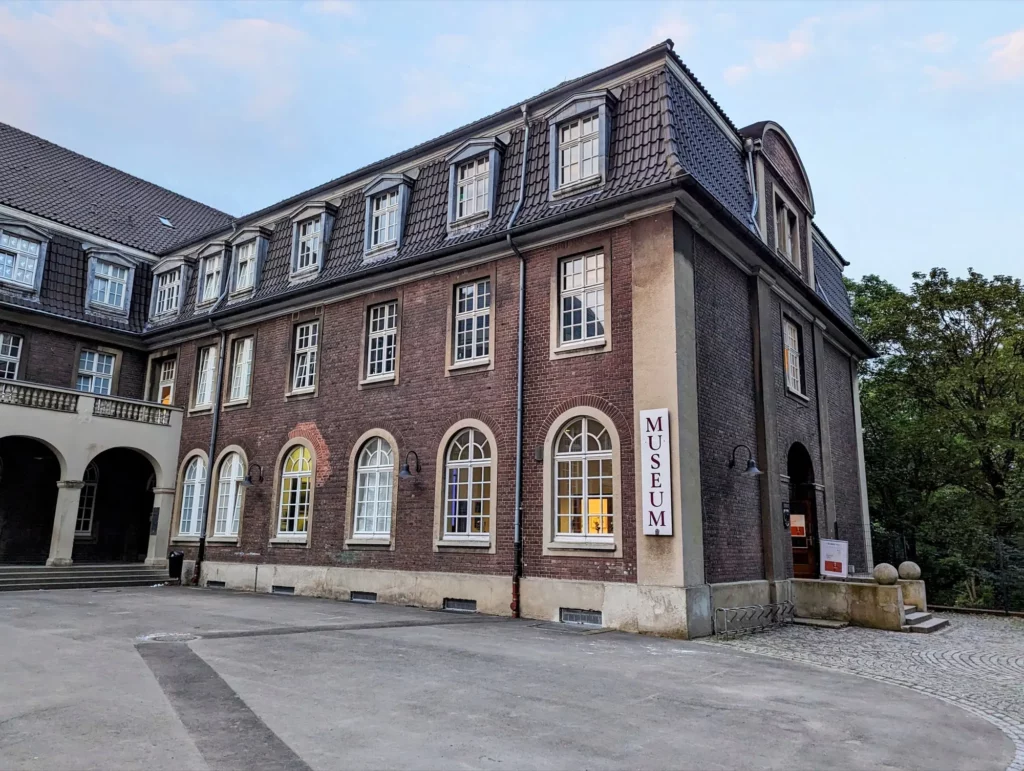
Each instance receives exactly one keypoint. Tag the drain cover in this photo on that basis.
(165, 637)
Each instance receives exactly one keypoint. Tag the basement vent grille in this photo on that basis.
(580, 617)
(214, 584)
(275, 589)
(364, 597)
(462, 606)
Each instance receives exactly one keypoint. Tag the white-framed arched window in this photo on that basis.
(584, 482)
(193, 497)
(229, 496)
(467, 478)
(87, 501)
(296, 493)
(374, 487)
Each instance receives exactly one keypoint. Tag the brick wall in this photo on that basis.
(727, 415)
(842, 432)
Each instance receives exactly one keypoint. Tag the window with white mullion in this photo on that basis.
(304, 366)
(109, 284)
(95, 372)
(241, 369)
(193, 498)
(309, 244)
(168, 289)
(19, 259)
(165, 383)
(384, 227)
(245, 265)
(581, 286)
(792, 356)
(578, 146)
(205, 365)
(296, 494)
(787, 232)
(382, 340)
(10, 355)
(473, 187)
(374, 488)
(473, 321)
(87, 502)
(210, 286)
(229, 496)
(467, 512)
(584, 483)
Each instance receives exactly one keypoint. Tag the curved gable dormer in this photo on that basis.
(780, 151)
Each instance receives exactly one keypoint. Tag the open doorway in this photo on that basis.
(803, 514)
(114, 508)
(29, 471)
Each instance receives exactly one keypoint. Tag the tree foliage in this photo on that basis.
(943, 413)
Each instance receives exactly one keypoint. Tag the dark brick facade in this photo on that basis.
(725, 387)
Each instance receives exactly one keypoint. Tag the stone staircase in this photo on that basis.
(921, 621)
(83, 576)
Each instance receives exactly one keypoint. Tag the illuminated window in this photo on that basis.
(467, 511)
(584, 482)
(296, 492)
(165, 381)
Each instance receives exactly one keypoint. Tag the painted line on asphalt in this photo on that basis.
(282, 630)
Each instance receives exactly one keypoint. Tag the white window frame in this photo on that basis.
(193, 498)
(382, 340)
(168, 292)
(562, 471)
(87, 501)
(579, 149)
(473, 187)
(310, 235)
(166, 372)
(384, 219)
(581, 293)
(110, 285)
(245, 265)
(304, 358)
(374, 491)
(472, 331)
(792, 356)
(475, 506)
(11, 346)
(298, 506)
(210, 278)
(241, 368)
(95, 372)
(228, 513)
(19, 259)
(787, 231)
(206, 365)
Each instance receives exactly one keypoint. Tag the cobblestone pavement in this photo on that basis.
(977, 663)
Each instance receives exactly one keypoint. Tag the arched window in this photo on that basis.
(296, 483)
(374, 484)
(229, 496)
(87, 501)
(468, 486)
(193, 497)
(584, 482)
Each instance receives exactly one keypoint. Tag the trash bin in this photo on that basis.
(175, 560)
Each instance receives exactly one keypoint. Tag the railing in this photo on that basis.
(751, 618)
(139, 413)
(37, 397)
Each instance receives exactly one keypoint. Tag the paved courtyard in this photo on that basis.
(110, 679)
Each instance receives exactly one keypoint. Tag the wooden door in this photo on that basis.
(802, 534)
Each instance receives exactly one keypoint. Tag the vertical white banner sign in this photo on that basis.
(656, 463)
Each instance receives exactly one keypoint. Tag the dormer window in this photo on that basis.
(19, 258)
(787, 239)
(311, 234)
(209, 278)
(385, 219)
(579, 131)
(245, 265)
(168, 290)
(247, 255)
(474, 180)
(108, 286)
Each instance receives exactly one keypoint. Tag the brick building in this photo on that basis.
(427, 381)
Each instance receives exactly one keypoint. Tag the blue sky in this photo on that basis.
(907, 115)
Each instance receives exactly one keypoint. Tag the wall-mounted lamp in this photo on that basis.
(248, 482)
(404, 473)
(751, 470)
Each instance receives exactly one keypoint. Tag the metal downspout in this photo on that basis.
(748, 146)
(517, 571)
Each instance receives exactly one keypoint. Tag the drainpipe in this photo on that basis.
(215, 424)
(748, 146)
(517, 570)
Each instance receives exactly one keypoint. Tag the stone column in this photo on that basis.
(65, 516)
(160, 526)
(825, 434)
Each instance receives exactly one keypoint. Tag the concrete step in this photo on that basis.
(909, 609)
(931, 625)
(77, 584)
(917, 617)
(82, 571)
(47, 580)
(820, 623)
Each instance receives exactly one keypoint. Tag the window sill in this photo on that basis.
(206, 409)
(282, 540)
(463, 543)
(582, 545)
(202, 305)
(379, 251)
(107, 310)
(584, 185)
(595, 345)
(469, 365)
(236, 293)
(185, 539)
(373, 382)
(304, 275)
(374, 543)
(223, 539)
(236, 405)
(8, 284)
(305, 393)
(468, 223)
(797, 395)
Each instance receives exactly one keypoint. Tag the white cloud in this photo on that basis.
(940, 79)
(1006, 62)
(769, 55)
